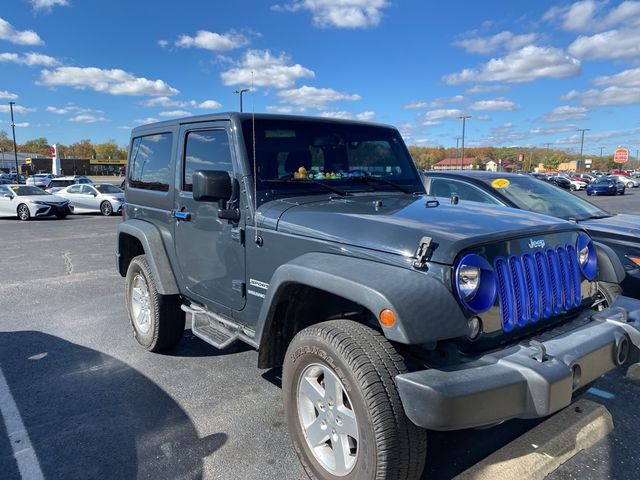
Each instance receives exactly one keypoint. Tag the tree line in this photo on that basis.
(82, 149)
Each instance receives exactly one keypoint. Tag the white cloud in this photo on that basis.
(613, 44)
(175, 113)
(17, 109)
(343, 114)
(442, 114)
(280, 109)
(587, 15)
(165, 101)
(24, 37)
(339, 13)
(503, 40)
(22, 124)
(114, 81)
(87, 118)
(163, 43)
(48, 4)
(144, 121)
(496, 104)
(613, 95)
(212, 41)
(437, 103)
(266, 69)
(553, 130)
(6, 95)
(626, 78)
(484, 89)
(73, 109)
(566, 112)
(57, 111)
(307, 97)
(524, 65)
(29, 59)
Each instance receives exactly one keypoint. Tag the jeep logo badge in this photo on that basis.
(536, 243)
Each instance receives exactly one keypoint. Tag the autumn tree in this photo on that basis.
(37, 145)
(81, 149)
(108, 150)
(6, 144)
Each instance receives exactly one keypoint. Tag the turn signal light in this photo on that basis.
(635, 260)
(387, 318)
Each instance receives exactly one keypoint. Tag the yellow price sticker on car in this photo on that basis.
(14, 187)
(500, 183)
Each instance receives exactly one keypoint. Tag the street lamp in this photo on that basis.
(457, 149)
(240, 91)
(582, 145)
(15, 148)
(464, 119)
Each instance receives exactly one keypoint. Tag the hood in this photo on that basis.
(396, 224)
(54, 199)
(620, 226)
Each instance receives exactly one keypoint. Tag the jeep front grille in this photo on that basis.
(534, 287)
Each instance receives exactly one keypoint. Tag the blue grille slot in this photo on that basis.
(556, 288)
(505, 295)
(575, 275)
(565, 277)
(545, 284)
(519, 289)
(533, 287)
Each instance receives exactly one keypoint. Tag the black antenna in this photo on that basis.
(257, 237)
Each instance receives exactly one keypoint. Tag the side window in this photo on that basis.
(205, 150)
(444, 187)
(74, 189)
(87, 190)
(149, 163)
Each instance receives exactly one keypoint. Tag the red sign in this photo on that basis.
(621, 155)
(53, 150)
(521, 157)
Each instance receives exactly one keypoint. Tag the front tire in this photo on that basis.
(157, 320)
(344, 412)
(106, 209)
(607, 293)
(24, 213)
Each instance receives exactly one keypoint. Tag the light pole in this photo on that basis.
(582, 145)
(457, 150)
(240, 91)
(464, 119)
(15, 148)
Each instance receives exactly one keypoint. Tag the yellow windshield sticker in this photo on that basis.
(15, 187)
(500, 183)
(97, 186)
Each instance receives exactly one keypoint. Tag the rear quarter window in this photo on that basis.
(149, 162)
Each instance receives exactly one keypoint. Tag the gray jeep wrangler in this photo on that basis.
(390, 313)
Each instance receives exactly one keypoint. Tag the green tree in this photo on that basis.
(37, 145)
(108, 150)
(553, 160)
(81, 149)
(6, 144)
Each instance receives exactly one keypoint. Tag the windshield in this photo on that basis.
(23, 190)
(605, 181)
(296, 157)
(534, 195)
(106, 188)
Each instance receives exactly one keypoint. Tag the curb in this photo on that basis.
(544, 448)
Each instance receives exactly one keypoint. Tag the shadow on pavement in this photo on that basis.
(89, 415)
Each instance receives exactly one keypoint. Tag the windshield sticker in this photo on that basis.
(15, 187)
(280, 133)
(500, 183)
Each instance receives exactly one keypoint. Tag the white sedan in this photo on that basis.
(27, 201)
(100, 197)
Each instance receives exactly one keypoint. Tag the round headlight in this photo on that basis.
(587, 256)
(475, 283)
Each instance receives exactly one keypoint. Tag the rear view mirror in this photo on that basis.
(212, 186)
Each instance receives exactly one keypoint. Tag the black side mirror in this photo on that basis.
(212, 186)
(9, 196)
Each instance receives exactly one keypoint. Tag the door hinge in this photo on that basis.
(237, 234)
(423, 253)
(238, 286)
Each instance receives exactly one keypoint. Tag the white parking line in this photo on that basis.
(18, 437)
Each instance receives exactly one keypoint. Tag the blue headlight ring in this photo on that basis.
(589, 269)
(485, 295)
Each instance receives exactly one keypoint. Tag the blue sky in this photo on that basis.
(529, 73)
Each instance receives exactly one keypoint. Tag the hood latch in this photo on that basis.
(423, 253)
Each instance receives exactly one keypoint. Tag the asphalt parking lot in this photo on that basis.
(95, 405)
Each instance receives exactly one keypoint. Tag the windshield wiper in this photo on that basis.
(342, 193)
(369, 179)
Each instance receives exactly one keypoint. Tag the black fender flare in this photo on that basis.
(425, 308)
(610, 268)
(151, 239)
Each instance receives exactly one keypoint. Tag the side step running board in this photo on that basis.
(216, 329)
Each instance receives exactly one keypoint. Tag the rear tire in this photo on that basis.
(359, 365)
(157, 320)
(23, 212)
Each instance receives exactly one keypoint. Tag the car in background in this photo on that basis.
(567, 183)
(59, 183)
(100, 197)
(628, 181)
(6, 181)
(28, 201)
(585, 177)
(620, 232)
(606, 186)
(41, 180)
(14, 177)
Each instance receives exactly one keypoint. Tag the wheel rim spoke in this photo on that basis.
(312, 390)
(346, 423)
(316, 434)
(341, 452)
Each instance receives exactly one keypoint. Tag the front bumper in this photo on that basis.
(523, 381)
(48, 210)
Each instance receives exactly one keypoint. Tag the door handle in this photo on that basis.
(180, 215)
